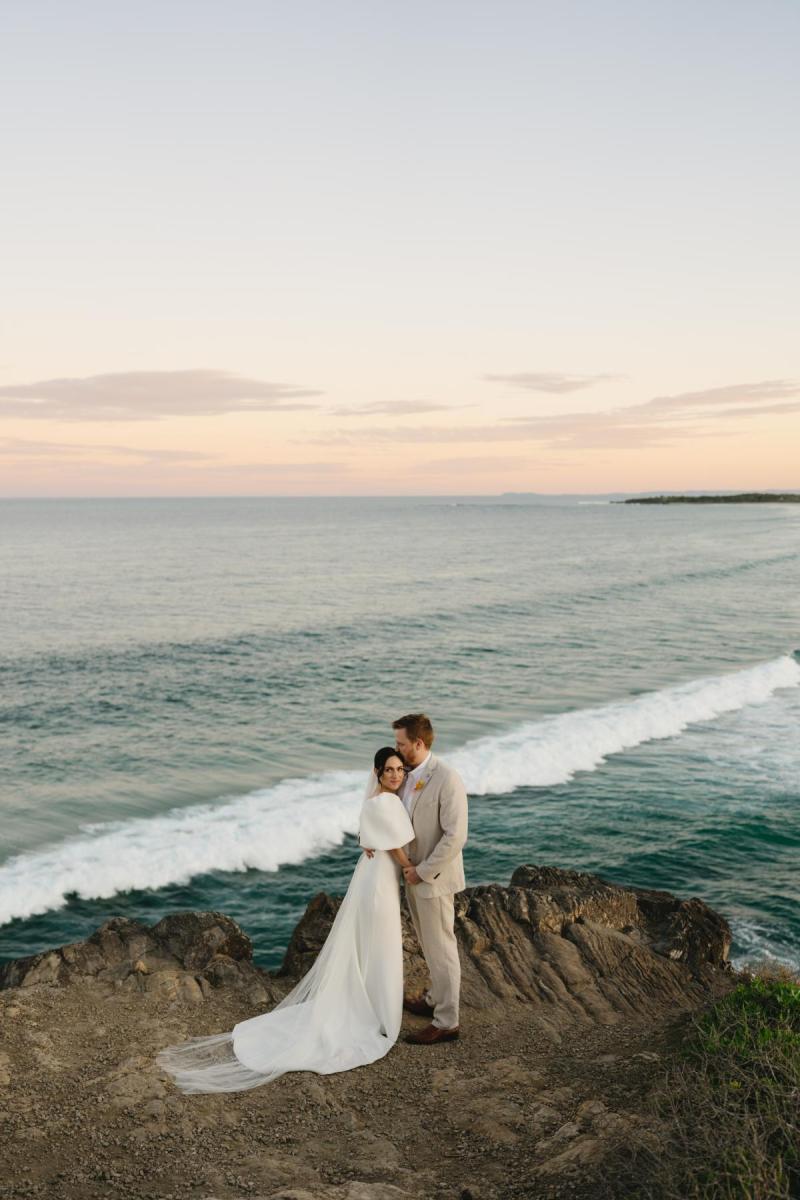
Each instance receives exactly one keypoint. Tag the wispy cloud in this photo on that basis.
(287, 470)
(412, 433)
(579, 430)
(620, 429)
(556, 382)
(662, 421)
(761, 410)
(734, 393)
(59, 452)
(394, 408)
(50, 467)
(496, 462)
(149, 395)
(100, 454)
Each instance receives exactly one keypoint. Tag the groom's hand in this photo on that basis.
(369, 853)
(410, 875)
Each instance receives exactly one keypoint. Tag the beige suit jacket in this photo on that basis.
(439, 817)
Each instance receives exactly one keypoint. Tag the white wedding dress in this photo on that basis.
(346, 1010)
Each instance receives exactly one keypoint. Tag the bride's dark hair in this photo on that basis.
(383, 756)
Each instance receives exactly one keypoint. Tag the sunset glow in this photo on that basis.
(349, 251)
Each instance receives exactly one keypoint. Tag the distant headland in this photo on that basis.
(739, 498)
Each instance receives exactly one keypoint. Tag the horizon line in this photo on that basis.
(410, 495)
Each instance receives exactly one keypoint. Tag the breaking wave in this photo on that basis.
(299, 819)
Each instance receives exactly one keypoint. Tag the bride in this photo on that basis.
(347, 1009)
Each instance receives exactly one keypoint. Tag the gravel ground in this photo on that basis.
(502, 1113)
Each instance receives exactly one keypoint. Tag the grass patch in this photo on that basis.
(729, 1104)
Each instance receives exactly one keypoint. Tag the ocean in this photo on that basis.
(192, 692)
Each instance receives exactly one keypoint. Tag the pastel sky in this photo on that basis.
(349, 248)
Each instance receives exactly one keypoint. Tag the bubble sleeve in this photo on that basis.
(384, 823)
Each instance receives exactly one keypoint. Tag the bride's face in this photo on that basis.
(393, 775)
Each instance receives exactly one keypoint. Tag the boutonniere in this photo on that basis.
(419, 785)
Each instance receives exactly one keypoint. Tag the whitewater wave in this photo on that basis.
(300, 818)
(551, 750)
(760, 944)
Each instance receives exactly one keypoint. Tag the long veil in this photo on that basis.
(372, 786)
(303, 1018)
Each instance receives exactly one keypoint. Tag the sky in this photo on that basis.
(398, 248)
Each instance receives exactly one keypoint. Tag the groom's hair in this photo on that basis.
(417, 726)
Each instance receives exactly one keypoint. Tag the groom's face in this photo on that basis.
(412, 753)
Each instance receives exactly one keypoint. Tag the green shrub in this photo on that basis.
(729, 1103)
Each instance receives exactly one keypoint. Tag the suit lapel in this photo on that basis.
(424, 779)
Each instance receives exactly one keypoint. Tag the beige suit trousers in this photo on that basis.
(433, 921)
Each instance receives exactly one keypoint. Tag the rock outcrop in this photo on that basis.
(182, 957)
(566, 944)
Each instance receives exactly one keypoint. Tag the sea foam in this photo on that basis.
(298, 819)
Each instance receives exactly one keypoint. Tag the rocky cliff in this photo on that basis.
(574, 990)
(567, 945)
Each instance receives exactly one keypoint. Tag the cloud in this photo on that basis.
(71, 468)
(494, 462)
(394, 408)
(287, 469)
(761, 410)
(149, 395)
(663, 420)
(412, 433)
(734, 393)
(613, 430)
(550, 381)
(577, 431)
(480, 462)
(655, 423)
(57, 452)
(65, 455)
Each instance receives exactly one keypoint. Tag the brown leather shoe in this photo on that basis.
(431, 1035)
(418, 1005)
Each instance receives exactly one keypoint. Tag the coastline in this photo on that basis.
(737, 498)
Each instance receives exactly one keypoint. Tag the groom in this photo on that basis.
(436, 802)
